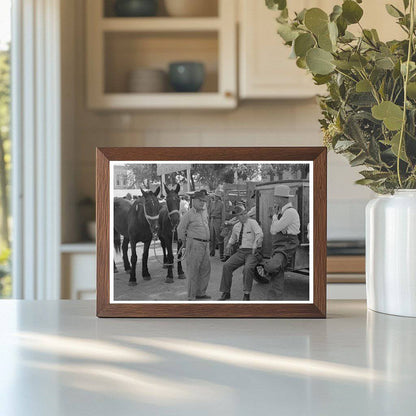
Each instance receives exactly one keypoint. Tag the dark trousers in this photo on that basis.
(215, 236)
(284, 248)
(242, 257)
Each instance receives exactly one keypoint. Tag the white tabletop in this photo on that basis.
(56, 358)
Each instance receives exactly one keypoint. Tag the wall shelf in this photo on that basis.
(117, 46)
(159, 24)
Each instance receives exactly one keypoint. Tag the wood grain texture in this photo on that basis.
(346, 264)
(222, 310)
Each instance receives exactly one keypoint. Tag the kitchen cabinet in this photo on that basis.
(116, 46)
(265, 70)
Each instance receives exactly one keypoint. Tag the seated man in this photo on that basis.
(249, 237)
(284, 229)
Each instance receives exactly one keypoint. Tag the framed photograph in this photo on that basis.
(211, 232)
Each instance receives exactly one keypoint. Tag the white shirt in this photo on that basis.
(289, 222)
(183, 206)
(252, 234)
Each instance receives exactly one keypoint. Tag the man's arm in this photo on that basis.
(222, 214)
(279, 225)
(183, 226)
(233, 237)
(258, 235)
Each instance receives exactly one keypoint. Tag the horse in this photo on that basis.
(121, 209)
(169, 218)
(143, 226)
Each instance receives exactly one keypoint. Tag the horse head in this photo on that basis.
(151, 209)
(173, 204)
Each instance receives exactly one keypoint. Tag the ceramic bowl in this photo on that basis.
(135, 8)
(186, 76)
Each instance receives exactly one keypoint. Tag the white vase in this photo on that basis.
(391, 253)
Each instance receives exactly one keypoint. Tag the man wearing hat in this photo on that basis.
(284, 229)
(248, 235)
(193, 231)
(216, 212)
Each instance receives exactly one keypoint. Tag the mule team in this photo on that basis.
(199, 231)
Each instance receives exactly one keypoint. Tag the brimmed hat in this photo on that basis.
(239, 210)
(282, 190)
(218, 194)
(202, 195)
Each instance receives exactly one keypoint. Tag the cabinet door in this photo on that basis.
(265, 68)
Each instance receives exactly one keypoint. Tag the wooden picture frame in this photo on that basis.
(315, 307)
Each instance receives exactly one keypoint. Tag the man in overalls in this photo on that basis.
(284, 229)
(216, 213)
(193, 231)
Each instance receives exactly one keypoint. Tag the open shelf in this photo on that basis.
(127, 51)
(116, 46)
(211, 9)
(160, 24)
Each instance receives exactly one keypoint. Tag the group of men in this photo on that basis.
(200, 230)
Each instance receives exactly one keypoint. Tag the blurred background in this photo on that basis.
(100, 73)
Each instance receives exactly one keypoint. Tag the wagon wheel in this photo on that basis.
(260, 274)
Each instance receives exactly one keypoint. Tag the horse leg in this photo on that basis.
(162, 243)
(133, 281)
(169, 277)
(145, 270)
(181, 274)
(125, 247)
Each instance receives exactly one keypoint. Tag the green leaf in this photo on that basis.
(390, 113)
(406, 4)
(358, 61)
(325, 43)
(316, 20)
(303, 43)
(375, 35)
(411, 90)
(393, 11)
(343, 145)
(358, 160)
(394, 144)
(319, 61)
(286, 32)
(336, 12)
(385, 63)
(276, 4)
(300, 17)
(343, 65)
(364, 181)
(321, 79)
(301, 63)
(363, 86)
(347, 37)
(351, 11)
(342, 25)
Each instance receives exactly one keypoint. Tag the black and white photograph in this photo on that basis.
(211, 232)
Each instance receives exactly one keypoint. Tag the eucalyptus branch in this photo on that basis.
(406, 79)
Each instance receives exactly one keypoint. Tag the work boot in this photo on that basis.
(225, 296)
(246, 296)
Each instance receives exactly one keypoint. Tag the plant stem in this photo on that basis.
(406, 79)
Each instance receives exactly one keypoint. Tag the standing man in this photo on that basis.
(216, 224)
(193, 231)
(249, 237)
(284, 229)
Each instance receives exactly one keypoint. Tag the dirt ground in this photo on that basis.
(296, 285)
